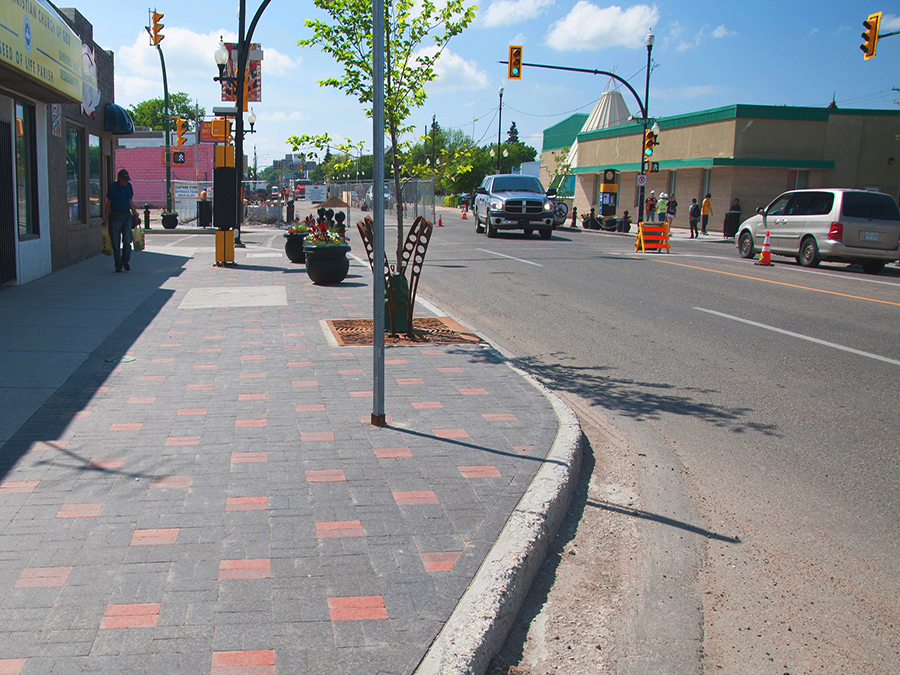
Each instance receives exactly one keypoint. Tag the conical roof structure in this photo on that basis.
(610, 111)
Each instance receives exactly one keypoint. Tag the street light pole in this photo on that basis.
(499, 126)
(650, 39)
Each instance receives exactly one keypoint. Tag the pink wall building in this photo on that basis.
(147, 166)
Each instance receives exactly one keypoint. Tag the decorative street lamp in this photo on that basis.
(499, 125)
(649, 40)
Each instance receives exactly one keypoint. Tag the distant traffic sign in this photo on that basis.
(642, 179)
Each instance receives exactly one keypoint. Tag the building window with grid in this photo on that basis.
(74, 174)
(95, 189)
(26, 172)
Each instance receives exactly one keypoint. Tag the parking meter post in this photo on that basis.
(146, 216)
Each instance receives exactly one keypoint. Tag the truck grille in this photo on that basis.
(519, 207)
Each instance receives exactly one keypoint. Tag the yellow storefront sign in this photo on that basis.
(37, 43)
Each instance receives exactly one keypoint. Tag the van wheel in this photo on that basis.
(745, 245)
(873, 267)
(809, 253)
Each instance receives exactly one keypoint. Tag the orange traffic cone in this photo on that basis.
(765, 258)
(440, 223)
(464, 216)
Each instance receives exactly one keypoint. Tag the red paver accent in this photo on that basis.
(11, 666)
(170, 344)
(450, 369)
(292, 335)
(295, 348)
(473, 392)
(252, 376)
(253, 357)
(414, 498)
(42, 577)
(392, 453)
(184, 412)
(198, 387)
(359, 608)
(403, 381)
(254, 330)
(245, 569)
(161, 482)
(130, 616)
(450, 433)
(209, 350)
(361, 394)
(309, 407)
(206, 366)
(486, 471)
(177, 332)
(289, 325)
(175, 441)
(253, 311)
(41, 446)
(394, 362)
(79, 510)
(134, 400)
(248, 457)
(317, 436)
(154, 537)
(183, 322)
(252, 342)
(242, 424)
(299, 364)
(213, 337)
(126, 426)
(354, 371)
(499, 417)
(338, 354)
(246, 504)
(432, 351)
(326, 476)
(106, 463)
(339, 529)
(162, 360)
(96, 390)
(79, 415)
(19, 487)
(427, 405)
(440, 561)
(153, 378)
(250, 662)
(523, 449)
(305, 383)
(252, 397)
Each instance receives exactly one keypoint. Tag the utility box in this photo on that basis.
(609, 193)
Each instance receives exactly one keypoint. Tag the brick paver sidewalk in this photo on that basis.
(220, 504)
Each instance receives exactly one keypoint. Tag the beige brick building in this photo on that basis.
(749, 152)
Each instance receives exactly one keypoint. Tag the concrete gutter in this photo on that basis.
(478, 626)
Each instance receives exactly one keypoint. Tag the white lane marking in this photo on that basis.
(817, 341)
(527, 262)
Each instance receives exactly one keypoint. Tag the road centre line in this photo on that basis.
(502, 255)
(817, 341)
(778, 283)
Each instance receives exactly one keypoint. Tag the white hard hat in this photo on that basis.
(652, 192)
(664, 195)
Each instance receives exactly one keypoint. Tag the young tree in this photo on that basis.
(512, 136)
(152, 113)
(409, 61)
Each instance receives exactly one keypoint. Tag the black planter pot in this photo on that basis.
(327, 265)
(169, 220)
(293, 247)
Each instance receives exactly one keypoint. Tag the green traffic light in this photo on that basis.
(515, 71)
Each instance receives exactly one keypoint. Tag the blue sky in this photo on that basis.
(707, 54)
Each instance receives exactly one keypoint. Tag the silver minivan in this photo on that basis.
(831, 225)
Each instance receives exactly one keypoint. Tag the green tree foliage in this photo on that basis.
(512, 136)
(415, 35)
(152, 112)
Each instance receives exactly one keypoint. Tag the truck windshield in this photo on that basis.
(517, 184)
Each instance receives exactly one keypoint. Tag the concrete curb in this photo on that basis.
(478, 626)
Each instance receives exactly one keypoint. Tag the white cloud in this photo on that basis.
(721, 32)
(508, 12)
(677, 30)
(520, 39)
(454, 73)
(280, 116)
(588, 27)
(889, 22)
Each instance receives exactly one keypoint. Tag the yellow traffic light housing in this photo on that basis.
(870, 35)
(649, 142)
(180, 129)
(221, 130)
(515, 62)
(156, 27)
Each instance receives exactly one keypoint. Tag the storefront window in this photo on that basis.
(94, 188)
(74, 174)
(26, 172)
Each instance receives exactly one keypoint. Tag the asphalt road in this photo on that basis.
(760, 410)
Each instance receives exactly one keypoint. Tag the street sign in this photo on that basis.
(642, 179)
(185, 190)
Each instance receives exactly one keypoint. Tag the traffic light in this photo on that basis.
(515, 62)
(221, 129)
(649, 142)
(155, 27)
(180, 129)
(870, 35)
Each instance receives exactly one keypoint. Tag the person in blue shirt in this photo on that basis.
(118, 218)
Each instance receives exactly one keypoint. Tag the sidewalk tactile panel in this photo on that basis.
(245, 512)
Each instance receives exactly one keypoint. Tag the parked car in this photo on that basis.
(369, 200)
(514, 202)
(832, 225)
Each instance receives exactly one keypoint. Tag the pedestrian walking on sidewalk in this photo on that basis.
(671, 207)
(706, 211)
(650, 207)
(695, 219)
(119, 216)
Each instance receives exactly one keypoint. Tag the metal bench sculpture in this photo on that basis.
(400, 296)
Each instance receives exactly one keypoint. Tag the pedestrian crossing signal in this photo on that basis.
(515, 62)
(178, 157)
(156, 35)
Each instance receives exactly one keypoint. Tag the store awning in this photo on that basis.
(117, 120)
